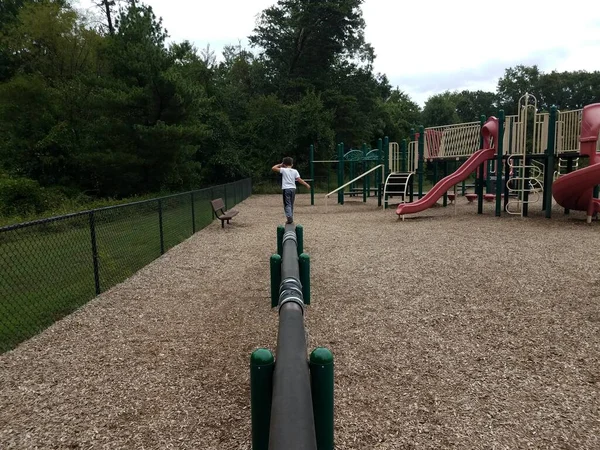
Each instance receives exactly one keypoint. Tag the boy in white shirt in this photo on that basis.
(289, 177)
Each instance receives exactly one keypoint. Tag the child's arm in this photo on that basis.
(302, 182)
(276, 167)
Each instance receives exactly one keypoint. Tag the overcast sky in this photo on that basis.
(425, 47)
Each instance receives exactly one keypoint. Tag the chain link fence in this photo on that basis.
(51, 267)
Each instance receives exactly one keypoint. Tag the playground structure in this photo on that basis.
(291, 398)
(527, 154)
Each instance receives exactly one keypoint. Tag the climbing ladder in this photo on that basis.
(562, 167)
(526, 182)
(399, 181)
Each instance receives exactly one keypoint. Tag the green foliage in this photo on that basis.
(112, 111)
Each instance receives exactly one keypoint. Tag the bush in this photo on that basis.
(21, 197)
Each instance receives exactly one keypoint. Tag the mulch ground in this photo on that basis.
(448, 329)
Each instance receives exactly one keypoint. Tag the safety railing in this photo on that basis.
(448, 141)
(568, 128)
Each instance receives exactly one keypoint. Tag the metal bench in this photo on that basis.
(219, 209)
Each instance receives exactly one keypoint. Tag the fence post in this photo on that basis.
(95, 252)
(193, 215)
(160, 227)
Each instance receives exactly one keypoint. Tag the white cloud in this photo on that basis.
(462, 44)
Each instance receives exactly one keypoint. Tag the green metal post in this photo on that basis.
(403, 150)
(444, 173)
(480, 174)
(275, 279)
(499, 163)
(386, 157)
(280, 231)
(364, 167)
(549, 172)
(341, 172)
(300, 238)
(488, 177)
(261, 390)
(321, 377)
(421, 159)
(312, 175)
(378, 179)
(160, 227)
(304, 264)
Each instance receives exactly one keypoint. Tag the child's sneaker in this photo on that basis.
(290, 220)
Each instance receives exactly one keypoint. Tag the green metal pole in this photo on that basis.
(550, 151)
(480, 175)
(300, 238)
(261, 391)
(403, 151)
(321, 377)
(421, 159)
(386, 156)
(312, 175)
(444, 173)
(499, 163)
(378, 179)
(280, 231)
(364, 168)
(304, 264)
(275, 264)
(341, 172)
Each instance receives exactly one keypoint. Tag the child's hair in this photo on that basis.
(288, 161)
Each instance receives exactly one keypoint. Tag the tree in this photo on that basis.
(301, 41)
(515, 83)
(470, 105)
(401, 114)
(440, 109)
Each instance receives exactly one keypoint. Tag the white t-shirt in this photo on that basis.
(288, 177)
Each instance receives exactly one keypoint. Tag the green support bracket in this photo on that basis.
(421, 168)
(321, 377)
(549, 172)
(304, 265)
(275, 264)
(341, 172)
(280, 231)
(444, 173)
(300, 238)
(262, 364)
(499, 164)
(480, 174)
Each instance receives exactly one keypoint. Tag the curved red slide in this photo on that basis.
(575, 190)
(446, 183)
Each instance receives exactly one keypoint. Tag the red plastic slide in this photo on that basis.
(446, 183)
(575, 190)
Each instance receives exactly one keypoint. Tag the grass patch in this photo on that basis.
(47, 269)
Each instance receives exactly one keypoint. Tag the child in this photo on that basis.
(289, 177)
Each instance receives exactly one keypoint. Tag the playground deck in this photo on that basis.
(447, 331)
